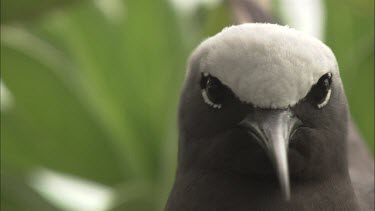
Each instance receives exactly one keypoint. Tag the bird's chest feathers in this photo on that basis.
(220, 193)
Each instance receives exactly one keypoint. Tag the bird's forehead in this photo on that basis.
(267, 65)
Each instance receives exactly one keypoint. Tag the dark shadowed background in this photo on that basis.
(89, 91)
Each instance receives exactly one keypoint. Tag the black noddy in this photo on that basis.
(263, 125)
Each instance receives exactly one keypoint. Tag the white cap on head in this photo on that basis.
(267, 65)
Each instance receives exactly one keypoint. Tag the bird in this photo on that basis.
(264, 125)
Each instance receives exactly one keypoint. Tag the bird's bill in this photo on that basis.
(273, 129)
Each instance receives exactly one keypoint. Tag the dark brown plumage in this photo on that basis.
(222, 167)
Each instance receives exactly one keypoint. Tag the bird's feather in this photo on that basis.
(361, 169)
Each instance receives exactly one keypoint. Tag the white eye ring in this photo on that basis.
(325, 102)
(208, 101)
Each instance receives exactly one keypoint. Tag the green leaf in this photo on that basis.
(86, 86)
(17, 195)
(16, 10)
(95, 92)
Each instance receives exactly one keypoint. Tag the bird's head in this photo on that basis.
(263, 101)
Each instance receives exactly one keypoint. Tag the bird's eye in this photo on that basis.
(321, 91)
(212, 90)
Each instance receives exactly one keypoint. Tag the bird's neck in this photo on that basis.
(223, 191)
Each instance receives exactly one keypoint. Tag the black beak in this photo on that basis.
(272, 129)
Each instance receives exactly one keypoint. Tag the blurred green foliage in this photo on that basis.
(20, 10)
(95, 91)
(350, 34)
